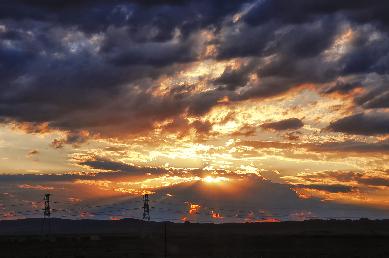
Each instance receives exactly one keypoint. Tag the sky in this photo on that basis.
(222, 111)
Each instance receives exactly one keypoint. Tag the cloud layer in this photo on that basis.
(99, 70)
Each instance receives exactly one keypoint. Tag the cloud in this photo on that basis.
(227, 199)
(57, 144)
(232, 79)
(370, 179)
(233, 200)
(342, 87)
(182, 127)
(287, 124)
(107, 59)
(32, 153)
(362, 124)
(246, 130)
(303, 11)
(35, 187)
(374, 181)
(7, 178)
(267, 144)
(125, 169)
(380, 101)
(351, 146)
(72, 138)
(256, 187)
(102, 66)
(332, 188)
(162, 15)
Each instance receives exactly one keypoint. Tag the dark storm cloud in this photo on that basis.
(287, 124)
(332, 188)
(108, 170)
(367, 56)
(109, 165)
(92, 64)
(363, 124)
(342, 87)
(58, 74)
(374, 181)
(381, 100)
(302, 11)
(232, 79)
(136, 15)
(288, 56)
(296, 36)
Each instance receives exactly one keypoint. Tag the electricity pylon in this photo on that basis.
(146, 207)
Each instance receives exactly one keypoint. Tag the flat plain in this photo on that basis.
(134, 238)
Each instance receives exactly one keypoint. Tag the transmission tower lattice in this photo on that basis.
(47, 210)
(46, 213)
(146, 207)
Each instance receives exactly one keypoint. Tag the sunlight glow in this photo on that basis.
(213, 180)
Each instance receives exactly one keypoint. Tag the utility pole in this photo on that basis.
(146, 207)
(46, 213)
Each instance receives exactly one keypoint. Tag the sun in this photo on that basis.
(214, 180)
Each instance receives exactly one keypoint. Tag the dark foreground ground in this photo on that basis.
(132, 238)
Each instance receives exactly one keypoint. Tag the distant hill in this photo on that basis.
(133, 226)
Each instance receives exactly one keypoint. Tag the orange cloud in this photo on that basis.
(216, 215)
(194, 209)
(35, 187)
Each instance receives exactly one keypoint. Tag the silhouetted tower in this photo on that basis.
(47, 210)
(46, 214)
(146, 207)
